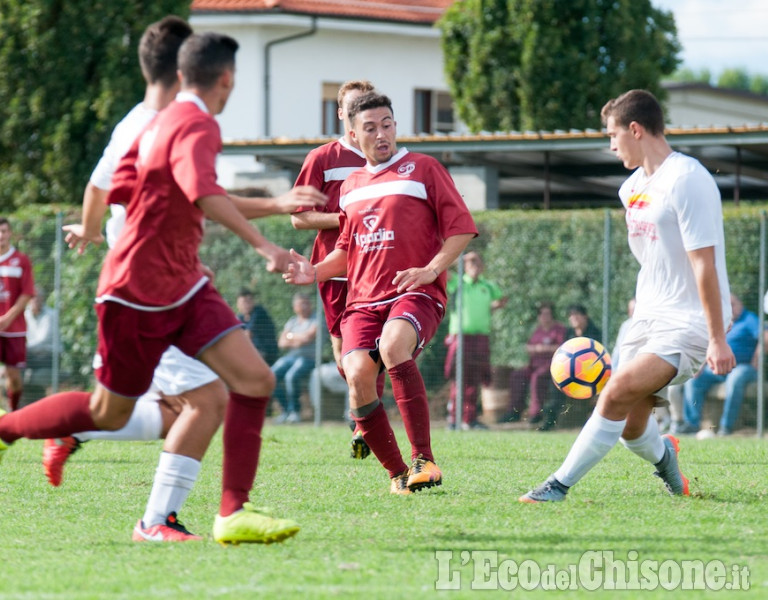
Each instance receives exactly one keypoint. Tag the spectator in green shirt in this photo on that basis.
(479, 298)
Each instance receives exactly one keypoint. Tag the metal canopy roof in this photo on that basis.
(549, 169)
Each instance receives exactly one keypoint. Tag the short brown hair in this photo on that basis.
(361, 85)
(159, 49)
(203, 58)
(639, 106)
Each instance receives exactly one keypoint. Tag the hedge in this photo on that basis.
(532, 255)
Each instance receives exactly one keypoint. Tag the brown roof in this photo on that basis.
(409, 11)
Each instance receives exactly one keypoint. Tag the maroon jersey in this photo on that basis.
(16, 280)
(396, 216)
(326, 168)
(154, 264)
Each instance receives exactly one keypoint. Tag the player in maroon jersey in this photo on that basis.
(17, 287)
(153, 291)
(403, 223)
(326, 168)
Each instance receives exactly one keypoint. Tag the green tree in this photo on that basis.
(552, 64)
(70, 71)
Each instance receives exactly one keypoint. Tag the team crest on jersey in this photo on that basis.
(406, 169)
(370, 222)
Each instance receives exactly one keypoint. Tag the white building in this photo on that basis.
(294, 55)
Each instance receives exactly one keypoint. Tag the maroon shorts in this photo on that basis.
(132, 341)
(361, 326)
(333, 294)
(13, 351)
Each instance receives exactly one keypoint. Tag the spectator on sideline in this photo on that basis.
(293, 368)
(581, 324)
(742, 337)
(544, 341)
(40, 323)
(258, 324)
(480, 297)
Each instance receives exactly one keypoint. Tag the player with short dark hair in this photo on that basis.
(403, 223)
(326, 168)
(675, 230)
(154, 290)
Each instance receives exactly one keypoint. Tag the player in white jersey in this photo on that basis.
(675, 229)
(180, 381)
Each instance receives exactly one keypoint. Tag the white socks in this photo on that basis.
(145, 424)
(174, 478)
(649, 446)
(595, 440)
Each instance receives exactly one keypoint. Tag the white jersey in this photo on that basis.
(674, 211)
(177, 372)
(123, 136)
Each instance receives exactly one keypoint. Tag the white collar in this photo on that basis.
(380, 167)
(190, 97)
(5, 256)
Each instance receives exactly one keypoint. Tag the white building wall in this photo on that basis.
(397, 58)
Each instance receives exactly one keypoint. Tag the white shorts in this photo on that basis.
(178, 373)
(175, 374)
(667, 340)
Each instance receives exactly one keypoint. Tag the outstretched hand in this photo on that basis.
(78, 238)
(302, 196)
(300, 271)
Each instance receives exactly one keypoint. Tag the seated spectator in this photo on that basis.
(259, 325)
(535, 378)
(326, 378)
(742, 337)
(615, 355)
(41, 320)
(581, 324)
(293, 368)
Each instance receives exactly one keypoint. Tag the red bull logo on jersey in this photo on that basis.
(639, 201)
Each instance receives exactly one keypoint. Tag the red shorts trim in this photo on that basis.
(13, 351)
(361, 326)
(132, 341)
(333, 294)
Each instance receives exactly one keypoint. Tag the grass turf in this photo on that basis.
(357, 540)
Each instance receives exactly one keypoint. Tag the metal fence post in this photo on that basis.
(606, 320)
(55, 359)
(761, 338)
(459, 407)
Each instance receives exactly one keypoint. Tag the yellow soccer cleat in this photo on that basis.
(423, 474)
(399, 485)
(252, 526)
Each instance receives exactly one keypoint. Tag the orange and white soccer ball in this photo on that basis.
(581, 367)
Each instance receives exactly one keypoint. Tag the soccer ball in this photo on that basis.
(581, 367)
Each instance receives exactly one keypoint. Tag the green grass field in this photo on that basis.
(358, 541)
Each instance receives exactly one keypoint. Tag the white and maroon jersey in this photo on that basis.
(326, 168)
(396, 216)
(154, 264)
(674, 211)
(123, 136)
(16, 279)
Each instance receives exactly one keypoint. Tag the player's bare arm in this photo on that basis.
(415, 277)
(313, 219)
(13, 312)
(302, 196)
(302, 272)
(719, 354)
(222, 210)
(89, 230)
